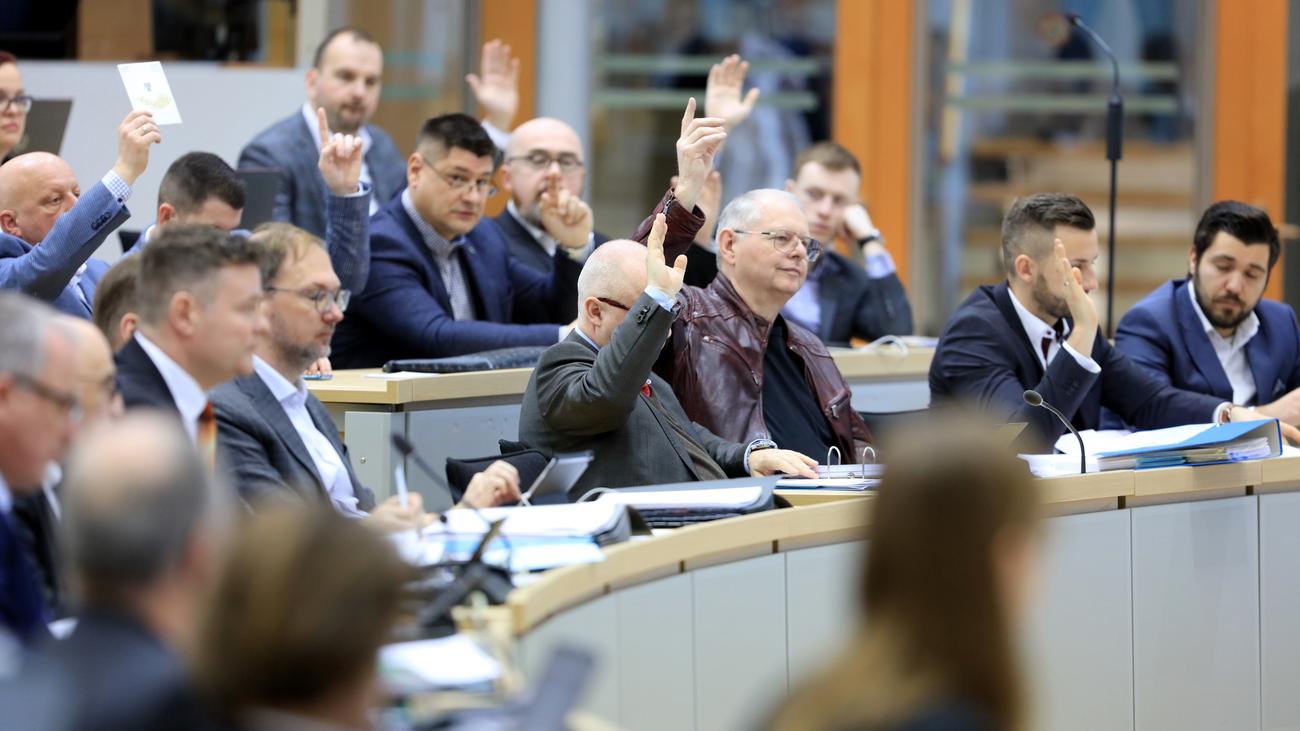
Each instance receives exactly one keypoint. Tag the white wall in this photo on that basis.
(222, 108)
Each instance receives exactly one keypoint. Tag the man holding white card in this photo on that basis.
(49, 230)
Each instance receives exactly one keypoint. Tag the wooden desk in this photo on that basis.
(1180, 613)
(464, 414)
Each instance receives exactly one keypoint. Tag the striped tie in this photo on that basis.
(207, 437)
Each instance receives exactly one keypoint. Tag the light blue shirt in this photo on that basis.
(189, 396)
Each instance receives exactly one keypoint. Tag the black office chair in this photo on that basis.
(530, 463)
(884, 423)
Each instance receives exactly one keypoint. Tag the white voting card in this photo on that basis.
(146, 86)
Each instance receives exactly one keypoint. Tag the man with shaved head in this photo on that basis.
(48, 230)
(595, 390)
(542, 154)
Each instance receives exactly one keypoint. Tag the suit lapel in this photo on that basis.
(482, 280)
(320, 416)
(1204, 358)
(270, 409)
(436, 286)
(1002, 298)
(828, 296)
(1264, 369)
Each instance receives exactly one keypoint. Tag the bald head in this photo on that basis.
(539, 149)
(35, 189)
(615, 271)
(96, 372)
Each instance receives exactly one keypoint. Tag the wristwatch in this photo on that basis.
(873, 235)
(755, 446)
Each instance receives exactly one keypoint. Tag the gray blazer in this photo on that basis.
(578, 398)
(290, 147)
(263, 452)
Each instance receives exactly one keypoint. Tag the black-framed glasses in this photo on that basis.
(614, 303)
(22, 102)
(321, 299)
(786, 241)
(541, 159)
(68, 402)
(460, 183)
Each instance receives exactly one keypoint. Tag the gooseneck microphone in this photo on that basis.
(1034, 398)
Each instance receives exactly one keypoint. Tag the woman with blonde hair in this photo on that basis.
(947, 571)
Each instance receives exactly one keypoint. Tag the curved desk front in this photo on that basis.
(1170, 599)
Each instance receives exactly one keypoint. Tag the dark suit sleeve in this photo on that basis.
(682, 227)
(397, 305)
(730, 456)
(258, 154)
(542, 297)
(347, 238)
(45, 270)
(244, 456)
(883, 309)
(1141, 399)
(579, 397)
(975, 365)
(1145, 342)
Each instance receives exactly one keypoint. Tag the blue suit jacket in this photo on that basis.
(290, 147)
(855, 305)
(985, 359)
(45, 271)
(405, 311)
(525, 248)
(1163, 334)
(22, 607)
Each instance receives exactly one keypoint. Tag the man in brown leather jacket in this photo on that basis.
(740, 369)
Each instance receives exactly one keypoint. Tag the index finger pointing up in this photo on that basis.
(324, 126)
(689, 115)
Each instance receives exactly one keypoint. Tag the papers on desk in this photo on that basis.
(717, 498)
(454, 662)
(605, 522)
(828, 483)
(679, 504)
(1192, 445)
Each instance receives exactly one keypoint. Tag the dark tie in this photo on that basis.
(1059, 329)
(206, 437)
(704, 467)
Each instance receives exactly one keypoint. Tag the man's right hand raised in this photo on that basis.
(699, 143)
(1081, 307)
(134, 136)
(666, 279)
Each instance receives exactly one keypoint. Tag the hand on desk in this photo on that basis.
(320, 368)
(1241, 413)
(1286, 409)
(786, 461)
(496, 485)
(390, 517)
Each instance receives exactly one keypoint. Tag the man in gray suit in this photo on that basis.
(344, 80)
(596, 390)
(275, 437)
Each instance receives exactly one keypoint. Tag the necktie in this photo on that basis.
(206, 437)
(701, 464)
(1059, 330)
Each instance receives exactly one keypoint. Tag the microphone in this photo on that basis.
(1034, 398)
(407, 450)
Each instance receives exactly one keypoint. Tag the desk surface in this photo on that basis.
(371, 386)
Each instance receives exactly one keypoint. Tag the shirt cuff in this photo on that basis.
(1223, 413)
(1086, 363)
(580, 255)
(661, 298)
(880, 264)
(117, 186)
(362, 189)
(500, 137)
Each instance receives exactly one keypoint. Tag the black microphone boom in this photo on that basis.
(1034, 398)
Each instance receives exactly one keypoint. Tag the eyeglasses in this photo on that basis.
(65, 401)
(321, 299)
(786, 241)
(541, 159)
(614, 303)
(460, 183)
(22, 102)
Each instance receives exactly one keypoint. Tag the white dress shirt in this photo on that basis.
(1231, 351)
(189, 396)
(548, 242)
(6, 498)
(1037, 330)
(329, 464)
(313, 126)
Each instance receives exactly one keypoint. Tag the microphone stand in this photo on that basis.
(1114, 151)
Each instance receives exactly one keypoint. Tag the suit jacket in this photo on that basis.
(1163, 334)
(405, 311)
(985, 359)
(139, 381)
(259, 445)
(38, 529)
(855, 305)
(578, 398)
(525, 248)
(290, 147)
(22, 607)
(45, 271)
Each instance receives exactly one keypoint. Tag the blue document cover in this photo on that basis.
(1199, 449)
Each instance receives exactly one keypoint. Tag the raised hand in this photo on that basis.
(340, 158)
(666, 279)
(134, 135)
(564, 215)
(1081, 306)
(320, 367)
(496, 87)
(699, 142)
(722, 96)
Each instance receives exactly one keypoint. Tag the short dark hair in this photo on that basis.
(830, 155)
(183, 256)
(1029, 225)
(115, 296)
(458, 130)
(359, 34)
(281, 242)
(1245, 222)
(7, 57)
(197, 176)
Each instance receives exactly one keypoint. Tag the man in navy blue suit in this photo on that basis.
(49, 230)
(442, 281)
(1038, 330)
(38, 409)
(1213, 332)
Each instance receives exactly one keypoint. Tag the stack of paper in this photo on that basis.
(604, 522)
(1195, 444)
(454, 662)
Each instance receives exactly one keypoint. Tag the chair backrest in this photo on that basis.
(529, 462)
(882, 423)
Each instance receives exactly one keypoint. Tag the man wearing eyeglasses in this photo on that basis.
(440, 283)
(14, 105)
(542, 154)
